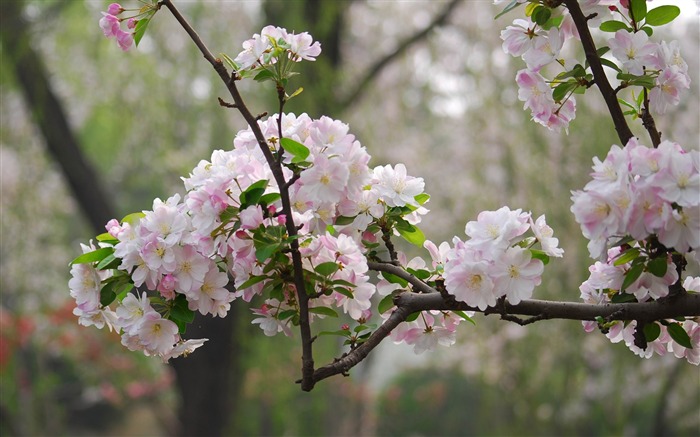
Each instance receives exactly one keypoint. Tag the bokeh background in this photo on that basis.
(420, 82)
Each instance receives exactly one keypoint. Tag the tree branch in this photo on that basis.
(601, 80)
(230, 82)
(404, 45)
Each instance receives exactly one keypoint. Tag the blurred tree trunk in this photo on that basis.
(204, 378)
(50, 117)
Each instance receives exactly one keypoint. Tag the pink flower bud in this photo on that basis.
(115, 9)
(131, 23)
(282, 219)
(109, 25)
(113, 228)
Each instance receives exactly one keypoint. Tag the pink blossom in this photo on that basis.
(516, 274)
(545, 235)
(518, 38)
(633, 50)
(536, 94)
(109, 25)
(158, 336)
(467, 278)
(544, 50)
(302, 46)
(251, 217)
(667, 90)
(124, 39)
(325, 180)
(497, 230)
(190, 268)
(395, 187)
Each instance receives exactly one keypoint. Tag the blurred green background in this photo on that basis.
(445, 104)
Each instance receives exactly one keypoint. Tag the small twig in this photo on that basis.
(260, 116)
(386, 237)
(649, 123)
(226, 104)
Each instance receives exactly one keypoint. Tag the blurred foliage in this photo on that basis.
(448, 109)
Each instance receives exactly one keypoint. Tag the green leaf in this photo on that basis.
(251, 281)
(563, 89)
(227, 214)
(343, 283)
(553, 22)
(410, 233)
(134, 218)
(422, 198)
(140, 29)
(107, 294)
(421, 274)
(340, 332)
(324, 311)
(180, 310)
(541, 15)
(613, 26)
(109, 262)
(631, 276)
(638, 10)
(394, 279)
(386, 304)
(295, 148)
(610, 64)
(413, 316)
(264, 253)
(229, 61)
(662, 15)
(251, 195)
(657, 266)
(295, 93)
(652, 331)
(627, 256)
(327, 268)
(264, 75)
(107, 238)
(269, 198)
(463, 315)
(624, 240)
(345, 292)
(342, 220)
(95, 255)
(679, 335)
(648, 30)
(512, 5)
(540, 255)
(623, 297)
(284, 315)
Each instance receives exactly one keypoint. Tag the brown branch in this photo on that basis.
(648, 122)
(601, 80)
(404, 45)
(276, 169)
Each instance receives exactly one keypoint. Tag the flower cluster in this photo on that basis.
(605, 285)
(540, 38)
(642, 192)
(271, 44)
(110, 23)
(497, 261)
